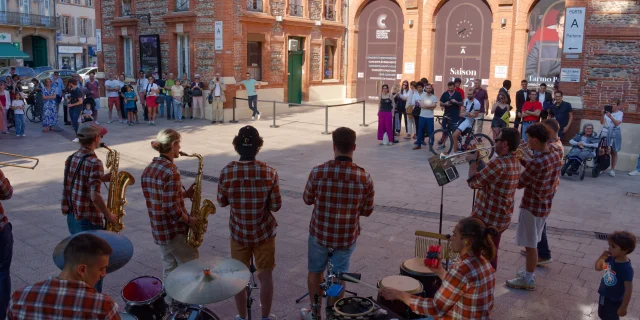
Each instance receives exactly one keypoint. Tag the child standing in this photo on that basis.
(86, 115)
(177, 91)
(616, 284)
(130, 104)
(17, 106)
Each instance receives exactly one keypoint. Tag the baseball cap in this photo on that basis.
(249, 136)
(91, 130)
(197, 75)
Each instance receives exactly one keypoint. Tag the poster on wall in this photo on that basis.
(544, 46)
(150, 54)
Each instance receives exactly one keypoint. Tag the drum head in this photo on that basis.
(416, 265)
(126, 316)
(142, 290)
(353, 307)
(402, 283)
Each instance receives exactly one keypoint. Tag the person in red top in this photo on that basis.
(457, 82)
(70, 295)
(467, 288)
(496, 184)
(251, 188)
(539, 183)
(530, 113)
(81, 201)
(341, 192)
(164, 197)
(6, 247)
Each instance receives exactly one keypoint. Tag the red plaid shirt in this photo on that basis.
(251, 188)
(89, 179)
(539, 181)
(6, 191)
(341, 192)
(61, 300)
(496, 184)
(162, 190)
(466, 292)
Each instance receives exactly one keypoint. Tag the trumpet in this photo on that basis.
(460, 157)
(2, 163)
(523, 149)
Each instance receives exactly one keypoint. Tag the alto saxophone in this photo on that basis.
(117, 189)
(195, 236)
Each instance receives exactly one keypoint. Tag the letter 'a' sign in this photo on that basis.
(573, 30)
(218, 35)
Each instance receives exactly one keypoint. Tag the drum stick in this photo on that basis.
(352, 279)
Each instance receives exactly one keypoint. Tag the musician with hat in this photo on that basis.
(70, 295)
(6, 246)
(81, 201)
(250, 187)
(164, 196)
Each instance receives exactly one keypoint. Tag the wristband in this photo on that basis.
(472, 161)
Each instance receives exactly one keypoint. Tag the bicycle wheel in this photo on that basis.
(440, 141)
(31, 113)
(483, 141)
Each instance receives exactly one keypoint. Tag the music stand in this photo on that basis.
(445, 172)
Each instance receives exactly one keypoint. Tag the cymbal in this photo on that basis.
(121, 246)
(207, 280)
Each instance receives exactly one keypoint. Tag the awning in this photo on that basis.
(8, 51)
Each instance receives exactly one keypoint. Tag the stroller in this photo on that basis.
(600, 162)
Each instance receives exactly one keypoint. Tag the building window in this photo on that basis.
(329, 59)
(66, 25)
(89, 3)
(295, 8)
(254, 59)
(254, 5)
(183, 55)
(76, 2)
(126, 8)
(182, 5)
(83, 27)
(330, 10)
(128, 57)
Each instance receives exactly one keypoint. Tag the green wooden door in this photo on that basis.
(40, 56)
(295, 77)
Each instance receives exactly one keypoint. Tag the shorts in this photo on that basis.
(97, 106)
(151, 102)
(319, 256)
(466, 124)
(264, 254)
(498, 123)
(113, 101)
(608, 309)
(529, 229)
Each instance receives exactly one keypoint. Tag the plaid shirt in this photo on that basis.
(6, 191)
(496, 184)
(556, 145)
(341, 192)
(162, 190)
(251, 188)
(89, 179)
(466, 292)
(61, 300)
(540, 181)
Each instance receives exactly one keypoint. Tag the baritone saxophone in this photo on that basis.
(118, 184)
(199, 212)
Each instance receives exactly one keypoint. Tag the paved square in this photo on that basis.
(407, 199)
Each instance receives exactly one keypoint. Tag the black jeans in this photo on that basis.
(607, 309)
(400, 115)
(543, 246)
(6, 253)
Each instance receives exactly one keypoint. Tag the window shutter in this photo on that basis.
(72, 26)
(92, 28)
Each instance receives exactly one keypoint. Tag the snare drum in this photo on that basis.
(353, 308)
(144, 298)
(416, 269)
(401, 283)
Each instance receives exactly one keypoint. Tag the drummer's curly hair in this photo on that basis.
(85, 249)
(480, 235)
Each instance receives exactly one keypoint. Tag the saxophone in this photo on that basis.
(195, 236)
(117, 188)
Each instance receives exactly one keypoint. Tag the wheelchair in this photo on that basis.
(576, 166)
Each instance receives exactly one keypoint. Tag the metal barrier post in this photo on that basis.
(234, 111)
(364, 122)
(274, 116)
(326, 120)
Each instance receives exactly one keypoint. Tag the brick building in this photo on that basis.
(294, 47)
(496, 40)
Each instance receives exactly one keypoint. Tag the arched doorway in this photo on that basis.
(380, 45)
(463, 43)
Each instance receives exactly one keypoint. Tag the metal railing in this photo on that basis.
(25, 19)
(254, 5)
(295, 10)
(330, 14)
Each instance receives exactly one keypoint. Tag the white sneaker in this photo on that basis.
(23, 135)
(612, 173)
(306, 314)
(108, 122)
(259, 114)
(76, 140)
(522, 283)
(238, 317)
(634, 173)
(17, 135)
(253, 118)
(96, 122)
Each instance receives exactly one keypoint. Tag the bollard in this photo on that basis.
(234, 111)
(326, 120)
(274, 116)
(364, 122)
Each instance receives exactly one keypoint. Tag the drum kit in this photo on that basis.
(190, 285)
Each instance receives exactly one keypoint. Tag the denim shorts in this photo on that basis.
(319, 256)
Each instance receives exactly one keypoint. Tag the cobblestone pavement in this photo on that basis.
(407, 199)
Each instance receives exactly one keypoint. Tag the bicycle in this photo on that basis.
(444, 138)
(35, 109)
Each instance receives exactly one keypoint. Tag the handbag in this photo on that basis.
(196, 92)
(210, 98)
(416, 110)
